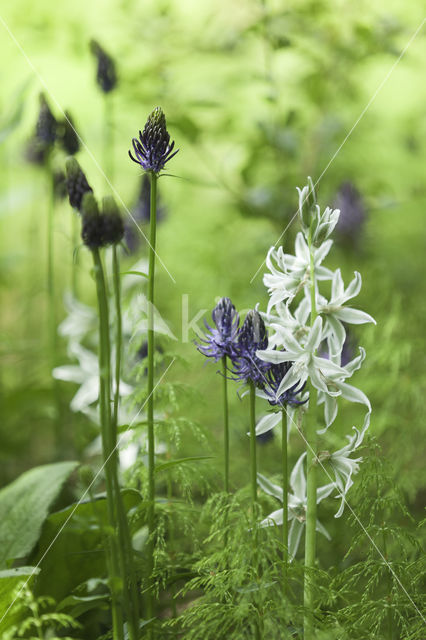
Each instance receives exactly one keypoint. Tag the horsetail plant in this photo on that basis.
(152, 151)
(301, 319)
(101, 229)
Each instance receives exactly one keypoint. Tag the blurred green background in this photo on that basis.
(257, 95)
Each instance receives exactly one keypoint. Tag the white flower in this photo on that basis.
(291, 273)
(80, 320)
(334, 312)
(322, 372)
(86, 373)
(344, 466)
(347, 391)
(297, 502)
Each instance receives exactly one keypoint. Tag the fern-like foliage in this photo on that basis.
(381, 590)
(38, 617)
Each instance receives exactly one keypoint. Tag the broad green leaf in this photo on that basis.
(24, 505)
(72, 545)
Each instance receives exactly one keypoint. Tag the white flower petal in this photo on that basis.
(268, 422)
(298, 480)
(353, 316)
(86, 395)
(294, 535)
(268, 487)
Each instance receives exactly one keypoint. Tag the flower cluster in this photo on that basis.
(240, 345)
(307, 341)
(153, 149)
(251, 337)
(100, 228)
(221, 340)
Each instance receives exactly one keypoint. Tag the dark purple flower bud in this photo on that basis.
(251, 337)
(113, 227)
(352, 213)
(153, 149)
(46, 124)
(92, 228)
(106, 75)
(221, 340)
(77, 184)
(274, 377)
(67, 135)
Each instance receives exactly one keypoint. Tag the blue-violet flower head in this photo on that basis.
(251, 337)
(153, 149)
(221, 340)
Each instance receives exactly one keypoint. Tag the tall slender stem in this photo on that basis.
(253, 478)
(225, 425)
(108, 447)
(253, 460)
(51, 308)
(311, 480)
(284, 471)
(150, 390)
(50, 265)
(123, 526)
(108, 137)
(74, 263)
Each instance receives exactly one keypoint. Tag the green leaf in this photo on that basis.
(9, 580)
(173, 463)
(72, 545)
(77, 605)
(24, 505)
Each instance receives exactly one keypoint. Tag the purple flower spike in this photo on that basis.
(252, 337)
(153, 149)
(221, 340)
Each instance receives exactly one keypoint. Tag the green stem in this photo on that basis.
(253, 479)
(74, 264)
(284, 470)
(225, 425)
(311, 482)
(171, 545)
(50, 263)
(253, 461)
(108, 446)
(51, 310)
(150, 390)
(123, 525)
(108, 138)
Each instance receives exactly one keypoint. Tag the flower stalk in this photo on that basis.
(311, 478)
(284, 472)
(150, 411)
(123, 530)
(108, 447)
(225, 424)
